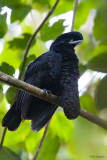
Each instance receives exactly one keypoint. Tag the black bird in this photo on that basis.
(57, 71)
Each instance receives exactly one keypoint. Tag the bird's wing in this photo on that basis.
(32, 76)
(41, 70)
(24, 99)
(38, 65)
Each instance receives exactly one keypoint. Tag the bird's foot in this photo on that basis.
(46, 92)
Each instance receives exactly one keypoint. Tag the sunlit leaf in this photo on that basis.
(10, 95)
(84, 6)
(87, 102)
(3, 25)
(18, 136)
(100, 95)
(42, 2)
(61, 126)
(33, 140)
(48, 33)
(10, 56)
(63, 6)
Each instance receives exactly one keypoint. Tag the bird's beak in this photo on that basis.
(75, 42)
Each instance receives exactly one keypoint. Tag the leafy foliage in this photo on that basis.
(66, 139)
(100, 29)
(6, 68)
(19, 9)
(63, 6)
(50, 33)
(9, 156)
(99, 63)
(10, 95)
(3, 25)
(20, 42)
(1, 93)
(101, 91)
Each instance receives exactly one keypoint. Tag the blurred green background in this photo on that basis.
(65, 139)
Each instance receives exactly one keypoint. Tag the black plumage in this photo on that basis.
(57, 71)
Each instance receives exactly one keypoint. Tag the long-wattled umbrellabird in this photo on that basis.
(57, 71)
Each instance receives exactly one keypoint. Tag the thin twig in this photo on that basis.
(41, 142)
(37, 92)
(34, 35)
(74, 12)
(3, 135)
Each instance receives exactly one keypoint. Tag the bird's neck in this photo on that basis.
(62, 49)
(70, 65)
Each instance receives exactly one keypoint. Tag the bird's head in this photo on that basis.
(67, 40)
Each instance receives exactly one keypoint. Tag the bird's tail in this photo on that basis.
(12, 119)
(40, 119)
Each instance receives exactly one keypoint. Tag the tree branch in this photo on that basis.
(37, 92)
(74, 12)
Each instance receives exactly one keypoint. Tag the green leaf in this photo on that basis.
(10, 95)
(33, 140)
(85, 50)
(48, 33)
(8, 3)
(20, 42)
(6, 68)
(101, 92)
(46, 2)
(100, 27)
(83, 10)
(98, 63)
(7, 154)
(49, 151)
(11, 57)
(19, 10)
(19, 136)
(87, 102)
(3, 25)
(63, 6)
(82, 68)
(61, 127)
(1, 93)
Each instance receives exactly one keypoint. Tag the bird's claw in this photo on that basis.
(46, 92)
